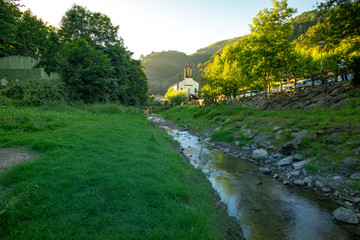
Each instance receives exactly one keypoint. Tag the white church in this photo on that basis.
(188, 83)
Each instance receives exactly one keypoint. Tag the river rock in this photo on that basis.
(345, 215)
(308, 180)
(297, 157)
(290, 146)
(246, 132)
(299, 182)
(326, 190)
(302, 134)
(299, 165)
(319, 184)
(348, 165)
(265, 170)
(278, 134)
(227, 150)
(263, 137)
(285, 161)
(260, 154)
(294, 173)
(355, 176)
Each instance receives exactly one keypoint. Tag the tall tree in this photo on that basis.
(85, 71)
(78, 22)
(271, 51)
(9, 16)
(31, 35)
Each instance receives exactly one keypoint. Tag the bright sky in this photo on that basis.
(157, 25)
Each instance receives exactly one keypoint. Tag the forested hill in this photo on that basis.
(166, 68)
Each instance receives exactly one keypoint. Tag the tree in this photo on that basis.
(86, 71)
(344, 19)
(270, 48)
(31, 35)
(92, 60)
(96, 28)
(9, 15)
(176, 97)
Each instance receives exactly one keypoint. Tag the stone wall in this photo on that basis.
(335, 95)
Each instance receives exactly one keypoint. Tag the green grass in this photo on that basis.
(102, 172)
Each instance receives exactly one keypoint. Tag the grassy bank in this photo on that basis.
(102, 172)
(337, 131)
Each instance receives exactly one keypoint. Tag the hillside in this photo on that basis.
(166, 68)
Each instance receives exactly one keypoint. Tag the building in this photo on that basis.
(188, 83)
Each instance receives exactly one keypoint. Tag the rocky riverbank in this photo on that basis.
(287, 165)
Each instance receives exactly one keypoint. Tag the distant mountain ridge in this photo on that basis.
(165, 68)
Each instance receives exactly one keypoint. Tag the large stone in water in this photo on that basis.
(260, 154)
(265, 170)
(345, 215)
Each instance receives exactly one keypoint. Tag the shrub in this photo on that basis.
(37, 92)
(176, 97)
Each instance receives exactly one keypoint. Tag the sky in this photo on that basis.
(162, 25)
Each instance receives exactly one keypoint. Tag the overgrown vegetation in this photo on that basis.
(102, 172)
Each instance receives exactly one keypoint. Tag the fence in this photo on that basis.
(308, 81)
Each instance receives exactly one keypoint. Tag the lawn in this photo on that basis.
(101, 172)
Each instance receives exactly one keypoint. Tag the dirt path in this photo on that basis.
(12, 156)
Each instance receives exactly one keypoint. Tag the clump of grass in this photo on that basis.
(222, 136)
(311, 168)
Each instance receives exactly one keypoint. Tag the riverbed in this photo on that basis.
(264, 207)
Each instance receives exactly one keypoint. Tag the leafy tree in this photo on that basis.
(343, 27)
(92, 60)
(78, 22)
(9, 15)
(271, 51)
(31, 35)
(176, 97)
(85, 71)
(344, 19)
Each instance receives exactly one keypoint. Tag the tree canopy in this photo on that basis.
(85, 51)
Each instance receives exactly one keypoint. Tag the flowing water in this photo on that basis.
(264, 207)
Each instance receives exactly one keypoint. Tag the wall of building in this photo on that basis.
(189, 84)
(22, 68)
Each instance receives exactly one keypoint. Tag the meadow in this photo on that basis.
(100, 172)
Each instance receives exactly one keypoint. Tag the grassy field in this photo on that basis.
(102, 172)
(340, 129)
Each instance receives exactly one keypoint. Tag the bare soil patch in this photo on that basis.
(12, 156)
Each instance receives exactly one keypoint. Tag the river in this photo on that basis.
(265, 208)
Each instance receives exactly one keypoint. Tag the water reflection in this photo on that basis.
(265, 208)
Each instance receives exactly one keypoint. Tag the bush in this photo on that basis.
(37, 92)
(176, 98)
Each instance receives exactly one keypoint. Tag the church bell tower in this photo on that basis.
(188, 71)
